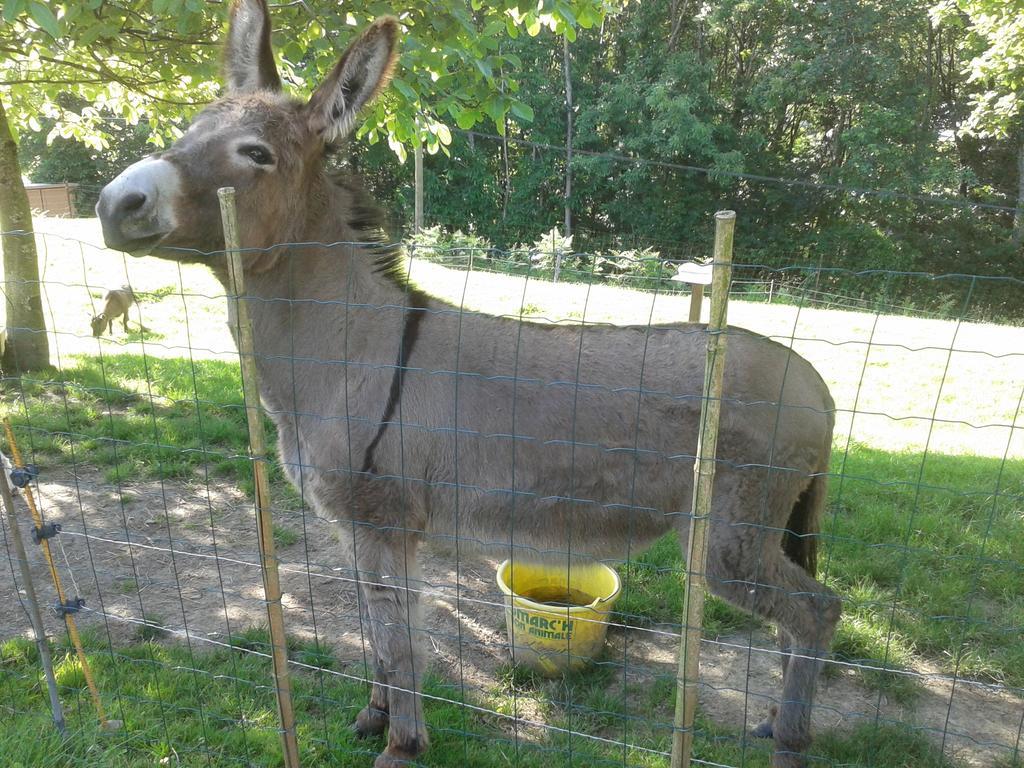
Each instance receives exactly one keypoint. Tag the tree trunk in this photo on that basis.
(417, 161)
(568, 138)
(506, 175)
(1018, 215)
(27, 346)
(506, 178)
(675, 12)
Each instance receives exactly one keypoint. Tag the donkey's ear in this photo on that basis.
(364, 69)
(249, 61)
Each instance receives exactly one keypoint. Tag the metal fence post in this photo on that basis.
(65, 607)
(703, 479)
(258, 450)
(38, 631)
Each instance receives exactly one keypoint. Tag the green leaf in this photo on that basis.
(524, 111)
(566, 13)
(467, 119)
(495, 109)
(12, 8)
(484, 66)
(404, 88)
(44, 17)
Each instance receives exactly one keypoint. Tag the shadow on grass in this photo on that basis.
(134, 416)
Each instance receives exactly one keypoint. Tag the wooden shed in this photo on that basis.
(52, 199)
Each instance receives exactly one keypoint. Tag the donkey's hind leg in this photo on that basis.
(387, 565)
(747, 567)
(764, 729)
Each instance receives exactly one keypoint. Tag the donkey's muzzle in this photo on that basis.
(136, 209)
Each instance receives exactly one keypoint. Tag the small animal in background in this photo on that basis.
(116, 304)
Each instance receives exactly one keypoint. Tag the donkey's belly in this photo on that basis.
(539, 526)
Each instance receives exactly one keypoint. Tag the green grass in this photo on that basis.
(284, 537)
(940, 563)
(217, 708)
(140, 417)
(136, 416)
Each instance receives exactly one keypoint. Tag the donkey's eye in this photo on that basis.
(256, 153)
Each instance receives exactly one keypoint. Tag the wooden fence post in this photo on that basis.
(696, 298)
(703, 479)
(258, 451)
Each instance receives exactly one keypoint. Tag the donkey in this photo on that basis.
(116, 304)
(410, 419)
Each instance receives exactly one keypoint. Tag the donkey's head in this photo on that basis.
(267, 146)
(98, 323)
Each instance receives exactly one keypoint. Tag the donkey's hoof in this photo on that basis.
(370, 722)
(402, 751)
(388, 760)
(394, 758)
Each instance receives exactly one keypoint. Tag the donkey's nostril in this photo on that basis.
(133, 201)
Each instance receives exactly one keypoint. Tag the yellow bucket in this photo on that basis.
(557, 624)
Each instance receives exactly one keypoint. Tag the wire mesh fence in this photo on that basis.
(141, 439)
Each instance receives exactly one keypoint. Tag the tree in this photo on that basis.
(851, 95)
(106, 59)
(27, 346)
(995, 73)
(147, 61)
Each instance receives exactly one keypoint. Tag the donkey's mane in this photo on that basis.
(369, 223)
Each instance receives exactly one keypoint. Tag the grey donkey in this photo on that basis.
(408, 418)
(116, 304)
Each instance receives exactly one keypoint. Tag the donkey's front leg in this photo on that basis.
(390, 583)
(372, 720)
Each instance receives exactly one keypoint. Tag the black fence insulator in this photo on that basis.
(22, 476)
(72, 605)
(46, 531)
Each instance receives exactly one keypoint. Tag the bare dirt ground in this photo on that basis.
(204, 585)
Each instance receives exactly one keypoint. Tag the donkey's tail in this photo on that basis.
(800, 542)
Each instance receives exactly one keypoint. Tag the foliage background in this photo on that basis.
(916, 99)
